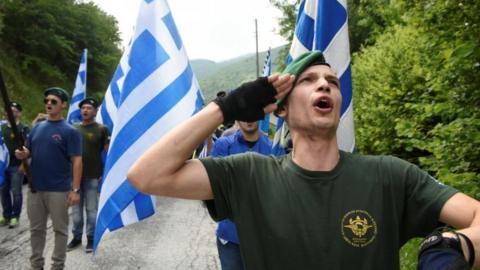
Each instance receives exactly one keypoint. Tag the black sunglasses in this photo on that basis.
(52, 101)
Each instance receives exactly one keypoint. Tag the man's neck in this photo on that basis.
(315, 153)
(55, 117)
(86, 122)
(250, 137)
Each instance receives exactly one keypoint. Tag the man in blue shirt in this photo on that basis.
(56, 164)
(247, 138)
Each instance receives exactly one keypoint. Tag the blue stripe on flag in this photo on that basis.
(83, 76)
(145, 57)
(109, 216)
(168, 20)
(77, 98)
(75, 116)
(143, 206)
(330, 18)
(198, 102)
(115, 90)
(346, 89)
(305, 37)
(148, 115)
(106, 119)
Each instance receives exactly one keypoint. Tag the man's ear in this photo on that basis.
(282, 111)
(64, 104)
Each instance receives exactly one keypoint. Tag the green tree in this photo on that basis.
(41, 43)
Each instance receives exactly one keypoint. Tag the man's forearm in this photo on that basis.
(77, 172)
(169, 154)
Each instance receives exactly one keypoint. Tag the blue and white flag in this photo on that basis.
(323, 25)
(4, 159)
(158, 92)
(80, 91)
(108, 109)
(267, 70)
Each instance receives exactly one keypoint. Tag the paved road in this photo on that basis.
(179, 236)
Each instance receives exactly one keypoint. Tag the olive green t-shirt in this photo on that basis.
(95, 137)
(356, 216)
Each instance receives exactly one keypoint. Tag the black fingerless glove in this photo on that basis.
(246, 103)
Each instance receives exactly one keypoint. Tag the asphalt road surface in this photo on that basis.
(180, 235)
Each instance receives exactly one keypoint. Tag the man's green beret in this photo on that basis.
(299, 65)
(58, 92)
(89, 100)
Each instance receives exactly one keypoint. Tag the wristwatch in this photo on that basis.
(76, 190)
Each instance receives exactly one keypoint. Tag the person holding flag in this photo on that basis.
(12, 197)
(318, 207)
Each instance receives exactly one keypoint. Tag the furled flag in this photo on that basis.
(80, 91)
(267, 70)
(159, 91)
(322, 25)
(4, 159)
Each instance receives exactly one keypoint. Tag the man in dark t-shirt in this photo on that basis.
(12, 196)
(95, 140)
(54, 147)
(318, 207)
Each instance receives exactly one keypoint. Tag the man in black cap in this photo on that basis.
(318, 207)
(55, 150)
(95, 139)
(12, 197)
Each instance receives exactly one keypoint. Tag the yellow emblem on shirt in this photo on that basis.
(358, 228)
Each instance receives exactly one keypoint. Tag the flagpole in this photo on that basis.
(256, 48)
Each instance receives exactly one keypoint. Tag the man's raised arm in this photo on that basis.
(165, 169)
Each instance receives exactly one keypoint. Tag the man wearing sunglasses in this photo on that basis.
(55, 150)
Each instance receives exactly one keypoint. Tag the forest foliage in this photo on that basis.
(41, 43)
(416, 83)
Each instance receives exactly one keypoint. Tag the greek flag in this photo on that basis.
(108, 109)
(267, 70)
(322, 25)
(80, 91)
(158, 92)
(4, 159)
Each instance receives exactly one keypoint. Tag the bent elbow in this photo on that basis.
(136, 180)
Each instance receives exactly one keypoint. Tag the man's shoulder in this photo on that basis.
(226, 140)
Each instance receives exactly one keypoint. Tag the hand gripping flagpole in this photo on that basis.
(18, 137)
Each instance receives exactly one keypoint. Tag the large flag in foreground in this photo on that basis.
(267, 70)
(322, 25)
(158, 92)
(4, 159)
(108, 110)
(80, 91)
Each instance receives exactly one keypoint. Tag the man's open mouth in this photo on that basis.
(324, 103)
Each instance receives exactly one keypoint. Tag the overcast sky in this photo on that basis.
(210, 29)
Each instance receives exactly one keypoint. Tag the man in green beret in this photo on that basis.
(55, 150)
(95, 138)
(318, 207)
(12, 197)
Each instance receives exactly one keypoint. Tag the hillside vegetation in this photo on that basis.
(41, 43)
(229, 74)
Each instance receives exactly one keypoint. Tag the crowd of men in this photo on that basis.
(315, 208)
(65, 165)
